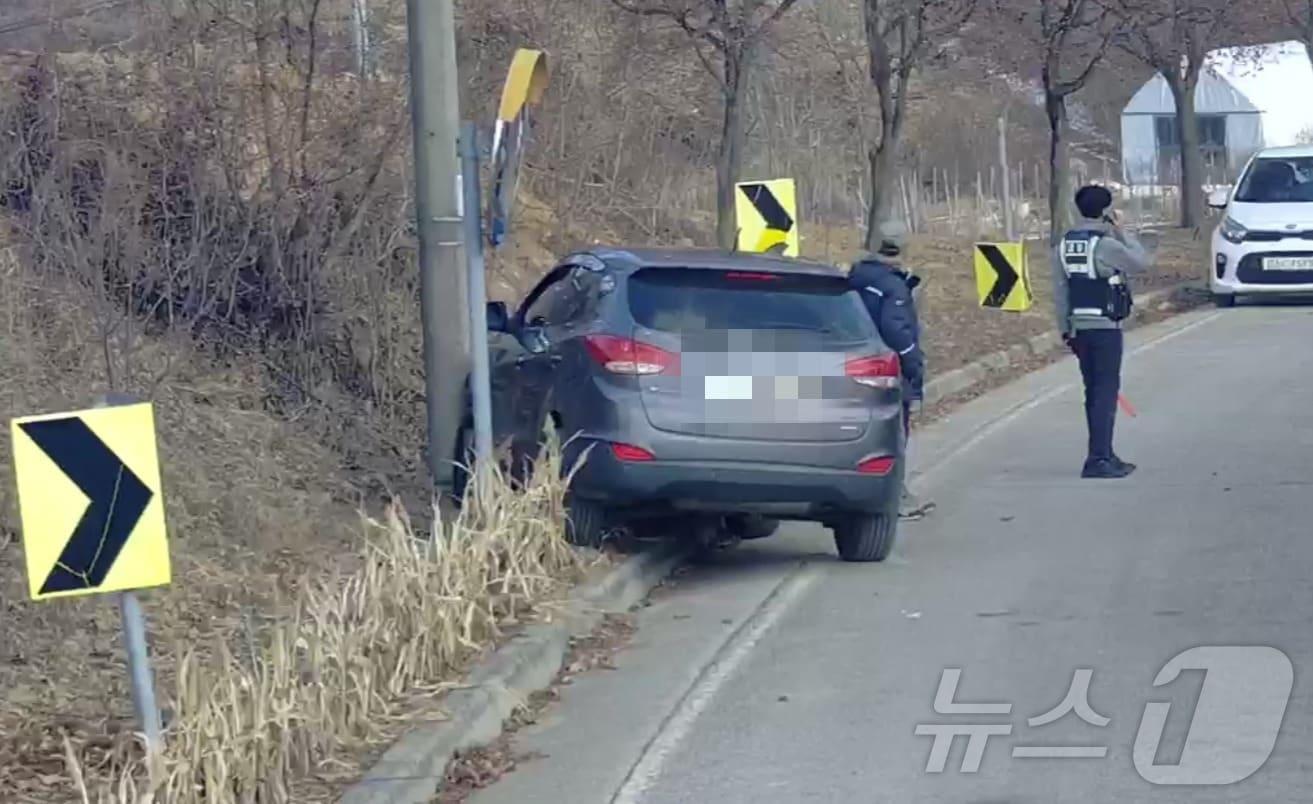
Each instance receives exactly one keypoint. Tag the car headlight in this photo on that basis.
(1232, 231)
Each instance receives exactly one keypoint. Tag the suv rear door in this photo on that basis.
(761, 356)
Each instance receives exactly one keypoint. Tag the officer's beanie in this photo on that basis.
(1093, 200)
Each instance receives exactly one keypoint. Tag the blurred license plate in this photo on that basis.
(731, 387)
(1288, 263)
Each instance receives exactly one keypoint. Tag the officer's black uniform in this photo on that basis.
(1091, 300)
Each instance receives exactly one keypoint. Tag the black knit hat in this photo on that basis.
(1093, 200)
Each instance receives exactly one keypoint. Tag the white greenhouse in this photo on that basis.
(1247, 99)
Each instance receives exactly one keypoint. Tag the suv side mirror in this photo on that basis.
(1217, 199)
(499, 318)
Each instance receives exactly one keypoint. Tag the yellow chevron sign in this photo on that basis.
(1002, 276)
(90, 501)
(767, 213)
(526, 82)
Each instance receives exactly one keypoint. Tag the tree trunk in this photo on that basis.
(277, 174)
(883, 159)
(1306, 34)
(1187, 134)
(729, 161)
(1305, 25)
(1055, 106)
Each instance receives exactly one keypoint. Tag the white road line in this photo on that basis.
(672, 732)
(1030, 404)
(676, 727)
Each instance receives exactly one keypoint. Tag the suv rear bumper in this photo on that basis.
(787, 491)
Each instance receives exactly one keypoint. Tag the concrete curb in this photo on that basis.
(957, 381)
(409, 772)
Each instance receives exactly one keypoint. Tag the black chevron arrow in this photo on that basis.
(118, 498)
(770, 209)
(1007, 276)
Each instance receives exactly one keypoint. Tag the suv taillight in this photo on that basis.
(627, 356)
(875, 371)
(879, 465)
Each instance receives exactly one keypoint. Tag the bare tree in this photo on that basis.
(726, 35)
(900, 36)
(1299, 13)
(1174, 38)
(1066, 40)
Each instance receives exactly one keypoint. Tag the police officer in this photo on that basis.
(1091, 299)
(886, 289)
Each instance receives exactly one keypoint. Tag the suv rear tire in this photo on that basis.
(866, 537)
(586, 522)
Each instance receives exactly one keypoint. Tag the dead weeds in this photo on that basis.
(295, 638)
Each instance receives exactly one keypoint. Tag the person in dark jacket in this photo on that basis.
(886, 287)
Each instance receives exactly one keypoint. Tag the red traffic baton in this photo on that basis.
(1126, 405)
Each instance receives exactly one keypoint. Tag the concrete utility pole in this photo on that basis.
(1007, 183)
(435, 115)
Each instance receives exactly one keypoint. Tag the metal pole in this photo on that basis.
(480, 391)
(1007, 183)
(435, 119)
(143, 687)
(134, 642)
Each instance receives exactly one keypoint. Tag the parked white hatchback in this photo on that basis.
(1264, 244)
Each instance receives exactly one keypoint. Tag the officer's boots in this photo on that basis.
(1107, 468)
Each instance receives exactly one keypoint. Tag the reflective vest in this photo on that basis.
(1089, 293)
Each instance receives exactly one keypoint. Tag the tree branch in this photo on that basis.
(680, 15)
(772, 18)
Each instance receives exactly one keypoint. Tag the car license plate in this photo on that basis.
(728, 387)
(787, 388)
(1288, 263)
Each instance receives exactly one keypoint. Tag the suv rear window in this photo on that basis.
(692, 299)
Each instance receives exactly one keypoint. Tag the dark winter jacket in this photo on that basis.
(887, 292)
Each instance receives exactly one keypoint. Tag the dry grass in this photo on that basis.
(295, 636)
(358, 656)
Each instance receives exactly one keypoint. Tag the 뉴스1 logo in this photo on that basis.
(1235, 723)
(1233, 728)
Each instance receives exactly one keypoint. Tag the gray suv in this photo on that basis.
(705, 387)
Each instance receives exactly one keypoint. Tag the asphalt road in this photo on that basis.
(782, 675)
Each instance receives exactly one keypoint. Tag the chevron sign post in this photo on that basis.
(1002, 278)
(92, 510)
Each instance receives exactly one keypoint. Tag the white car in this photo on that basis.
(1264, 244)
